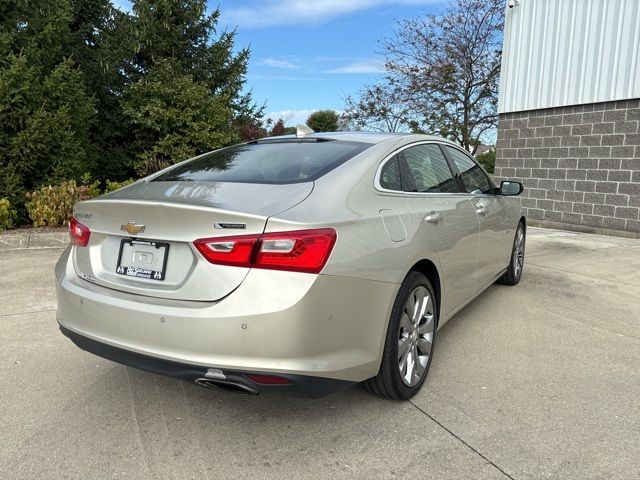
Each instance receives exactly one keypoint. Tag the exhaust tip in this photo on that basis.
(225, 386)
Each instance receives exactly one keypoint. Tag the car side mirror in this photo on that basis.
(509, 188)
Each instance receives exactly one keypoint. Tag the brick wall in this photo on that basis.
(580, 164)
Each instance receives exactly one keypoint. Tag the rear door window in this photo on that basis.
(429, 170)
(474, 179)
(390, 175)
(275, 162)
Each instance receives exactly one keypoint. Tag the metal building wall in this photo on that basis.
(569, 52)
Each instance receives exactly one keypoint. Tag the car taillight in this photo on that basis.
(79, 233)
(233, 251)
(297, 251)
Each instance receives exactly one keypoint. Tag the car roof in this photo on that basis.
(366, 137)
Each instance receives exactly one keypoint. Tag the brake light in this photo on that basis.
(297, 251)
(79, 233)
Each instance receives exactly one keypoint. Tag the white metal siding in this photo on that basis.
(568, 52)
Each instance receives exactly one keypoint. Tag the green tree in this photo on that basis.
(175, 118)
(87, 87)
(324, 121)
(175, 44)
(45, 112)
(183, 31)
(102, 45)
(488, 160)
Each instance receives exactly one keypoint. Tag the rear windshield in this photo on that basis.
(288, 161)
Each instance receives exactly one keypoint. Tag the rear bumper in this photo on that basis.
(313, 387)
(284, 323)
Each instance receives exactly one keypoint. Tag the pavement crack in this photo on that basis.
(586, 250)
(590, 325)
(584, 275)
(26, 313)
(29, 249)
(461, 440)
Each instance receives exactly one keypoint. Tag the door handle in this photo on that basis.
(481, 210)
(433, 217)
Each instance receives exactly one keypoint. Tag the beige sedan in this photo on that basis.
(304, 263)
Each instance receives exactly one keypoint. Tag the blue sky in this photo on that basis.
(308, 55)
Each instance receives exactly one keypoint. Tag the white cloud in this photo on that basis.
(290, 117)
(124, 5)
(365, 66)
(267, 13)
(278, 63)
(283, 78)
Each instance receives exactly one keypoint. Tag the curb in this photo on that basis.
(34, 238)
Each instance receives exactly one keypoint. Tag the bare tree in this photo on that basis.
(447, 69)
(287, 118)
(377, 108)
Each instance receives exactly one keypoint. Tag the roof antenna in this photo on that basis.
(302, 130)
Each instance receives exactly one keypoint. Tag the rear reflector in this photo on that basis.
(269, 380)
(79, 233)
(297, 251)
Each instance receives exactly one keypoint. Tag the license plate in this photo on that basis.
(143, 259)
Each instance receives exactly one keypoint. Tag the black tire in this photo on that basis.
(388, 382)
(514, 273)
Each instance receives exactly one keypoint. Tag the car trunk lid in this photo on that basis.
(142, 236)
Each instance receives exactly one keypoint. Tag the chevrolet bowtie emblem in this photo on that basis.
(132, 229)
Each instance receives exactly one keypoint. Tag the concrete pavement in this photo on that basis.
(536, 381)
(34, 238)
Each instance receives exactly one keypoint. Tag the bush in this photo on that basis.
(7, 215)
(113, 186)
(88, 189)
(52, 205)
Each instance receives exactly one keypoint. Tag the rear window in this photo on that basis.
(283, 161)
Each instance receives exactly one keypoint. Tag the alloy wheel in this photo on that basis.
(518, 253)
(415, 336)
